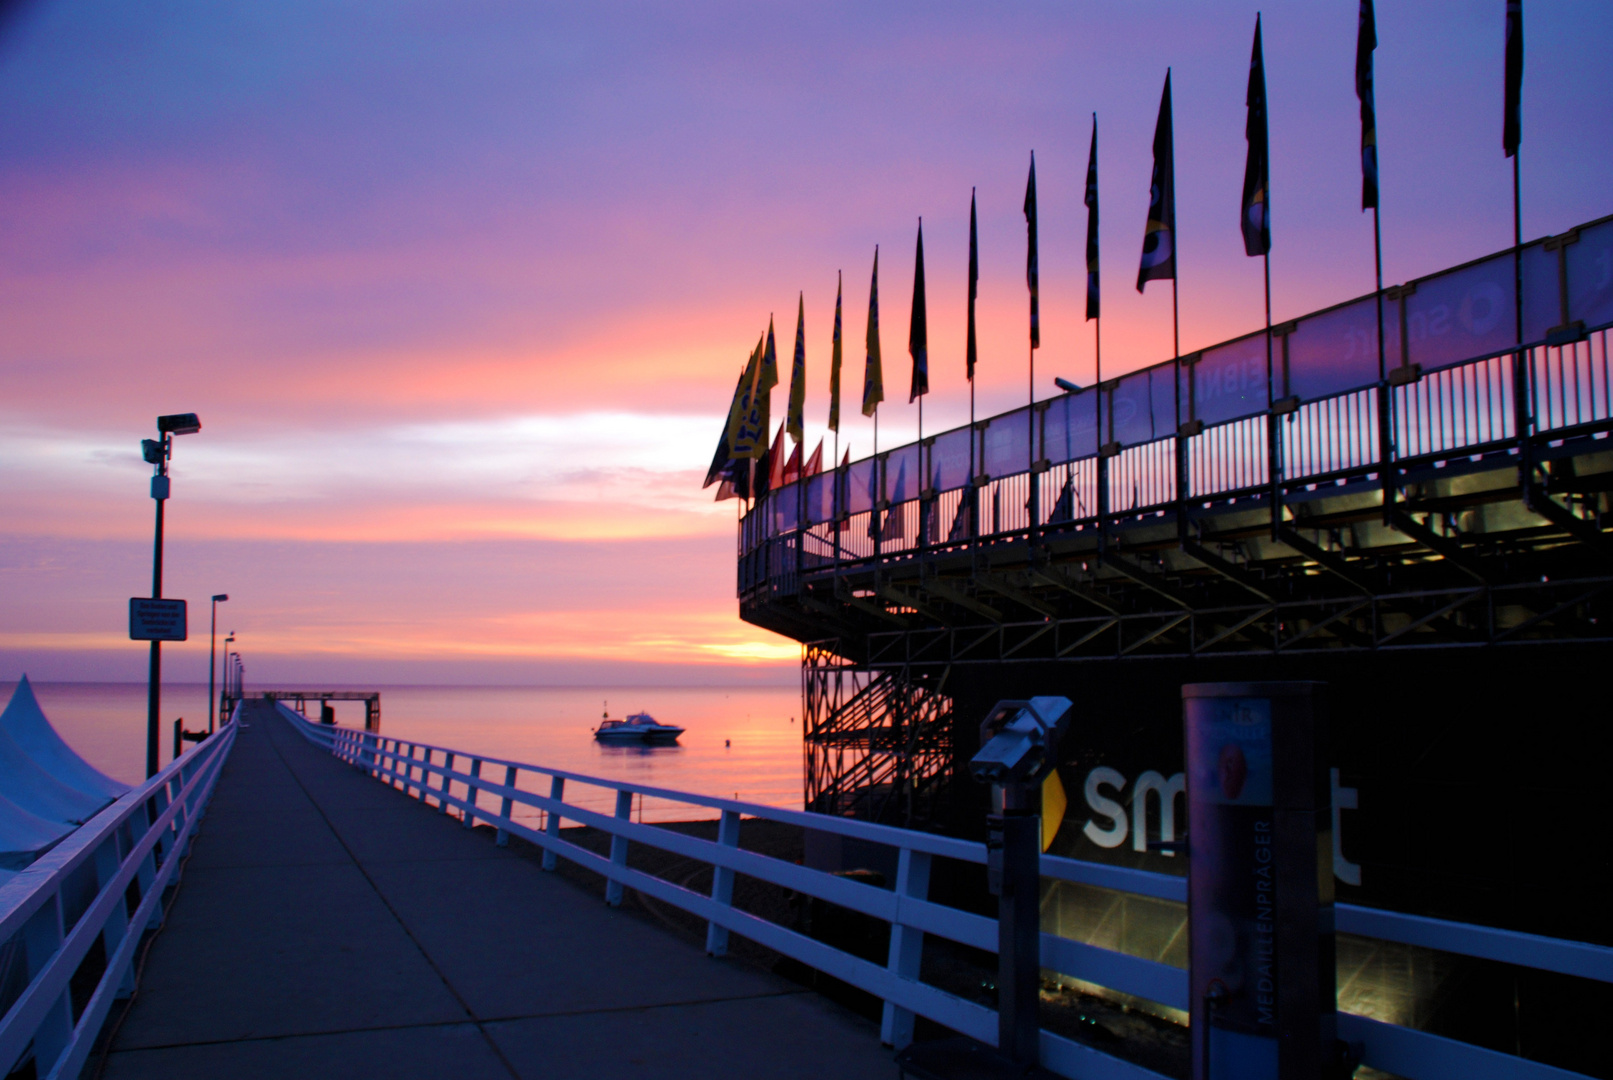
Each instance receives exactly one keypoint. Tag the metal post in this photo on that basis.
(442, 791)
(1018, 834)
(159, 493)
(618, 848)
(212, 661)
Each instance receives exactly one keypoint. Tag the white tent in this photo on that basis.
(31, 787)
(24, 721)
(24, 836)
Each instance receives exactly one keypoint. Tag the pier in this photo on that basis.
(297, 898)
(331, 926)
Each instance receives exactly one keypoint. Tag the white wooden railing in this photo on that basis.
(484, 789)
(53, 911)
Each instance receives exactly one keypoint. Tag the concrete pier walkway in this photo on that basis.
(329, 926)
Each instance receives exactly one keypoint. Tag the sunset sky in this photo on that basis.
(460, 290)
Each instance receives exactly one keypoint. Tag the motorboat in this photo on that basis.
(636, 728)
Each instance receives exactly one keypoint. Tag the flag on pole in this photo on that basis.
(873, 372)
(918, 331)
(766, 379)
(834, 364)
(1366, 40)
(1159, 235)
(724, 453)
(842, 494)
(770, 470)
(971, 353)
(814, 464)
(750, 430)
(1256, 216)
(792, 467)
(1512, 123)
(793, 420)
(894, 527)
(769, 372)
(1031, 274)
(1091, 200)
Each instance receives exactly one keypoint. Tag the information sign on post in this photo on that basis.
(156, 620)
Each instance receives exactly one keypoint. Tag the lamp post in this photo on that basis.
(224, 677)
(157, 452)
(212, 658)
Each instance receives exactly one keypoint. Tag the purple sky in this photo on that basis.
(460, 290)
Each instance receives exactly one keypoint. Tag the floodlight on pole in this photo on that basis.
(157, 452)
(1066, 385)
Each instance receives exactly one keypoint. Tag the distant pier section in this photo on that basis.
(299, 699)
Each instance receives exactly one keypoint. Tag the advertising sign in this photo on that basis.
(156, 620)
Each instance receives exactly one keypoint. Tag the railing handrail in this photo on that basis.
(891, 836)
(32, 906)
(909, 911)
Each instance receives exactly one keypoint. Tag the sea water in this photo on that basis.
(739, 742)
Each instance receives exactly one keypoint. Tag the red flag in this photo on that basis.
(792, 468)
(775, 462)
(814, 464)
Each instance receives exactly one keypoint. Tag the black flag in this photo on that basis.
(918, 330)
(1366, 40)
(1512, 125)
(970, 352)
(1257, 166)
(1030, 255)
(1092, 223)
(1159, 235)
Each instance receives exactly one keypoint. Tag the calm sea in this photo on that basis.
(741, 742)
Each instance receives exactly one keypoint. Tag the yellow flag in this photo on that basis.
(749, 438)
(794, 421)
(769, 376)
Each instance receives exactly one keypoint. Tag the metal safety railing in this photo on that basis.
(1318, 400)
(103, 883)
(485, 789)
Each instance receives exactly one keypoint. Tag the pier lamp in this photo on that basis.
(224, 678)
(212, 658)
(157, 452)
(1066, 385)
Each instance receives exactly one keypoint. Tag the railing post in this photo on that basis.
(442, 791)
(108, 858)
(907, 944)
(557, 792)
(41, 938)
(471, 790)
(722, 884)
(618, 848)
(503, 838)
